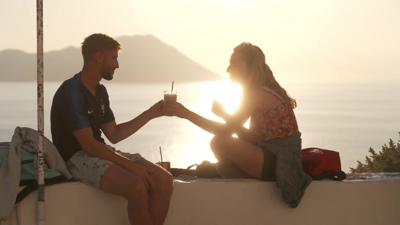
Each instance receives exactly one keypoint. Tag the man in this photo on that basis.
(81, 112)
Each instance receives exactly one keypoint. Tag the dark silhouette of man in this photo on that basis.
(81, 112)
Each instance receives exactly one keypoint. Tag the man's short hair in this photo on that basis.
(97, 42)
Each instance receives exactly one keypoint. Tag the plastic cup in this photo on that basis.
(169, 98)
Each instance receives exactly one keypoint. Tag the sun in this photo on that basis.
(197, 142)
(227, 93)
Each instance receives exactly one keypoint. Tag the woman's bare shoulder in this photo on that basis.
(260, 98)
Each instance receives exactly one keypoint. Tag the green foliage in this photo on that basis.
(387, 160)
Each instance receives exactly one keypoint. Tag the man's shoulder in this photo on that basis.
(71, 83)
(69, 86)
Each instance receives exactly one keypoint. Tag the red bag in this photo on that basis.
(321, 163)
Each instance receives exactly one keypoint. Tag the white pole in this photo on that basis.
(40, 113)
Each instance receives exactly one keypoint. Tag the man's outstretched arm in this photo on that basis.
(117, 132)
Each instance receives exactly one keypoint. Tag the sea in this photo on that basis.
(347, 117)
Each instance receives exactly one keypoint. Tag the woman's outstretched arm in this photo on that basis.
(243, 133)
(204, 123)
(228, 128)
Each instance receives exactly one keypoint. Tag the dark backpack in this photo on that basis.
(321, 163)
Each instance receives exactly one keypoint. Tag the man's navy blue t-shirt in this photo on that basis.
(75, 108)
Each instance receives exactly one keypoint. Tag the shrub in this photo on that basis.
(387, 160)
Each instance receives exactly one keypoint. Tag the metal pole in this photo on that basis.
(40, 113)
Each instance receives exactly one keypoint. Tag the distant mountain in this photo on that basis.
(142, 59)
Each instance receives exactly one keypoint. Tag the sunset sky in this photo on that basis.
(334, 40)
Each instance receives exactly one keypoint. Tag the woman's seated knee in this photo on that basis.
(219, 144)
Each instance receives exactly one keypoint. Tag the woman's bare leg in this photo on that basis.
(248, 157)
(227, 169)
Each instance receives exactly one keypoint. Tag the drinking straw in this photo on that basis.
(161, 154)
(172, 86)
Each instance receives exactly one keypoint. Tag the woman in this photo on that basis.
(270, 149)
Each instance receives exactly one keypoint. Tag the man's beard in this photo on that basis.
(107, 74)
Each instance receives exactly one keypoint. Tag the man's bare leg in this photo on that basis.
(160, 192)
(119, 181)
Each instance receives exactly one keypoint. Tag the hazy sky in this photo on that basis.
(318, 40)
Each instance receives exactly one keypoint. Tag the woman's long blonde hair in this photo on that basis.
(260, 73)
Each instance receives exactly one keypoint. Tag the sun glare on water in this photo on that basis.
(196, 143)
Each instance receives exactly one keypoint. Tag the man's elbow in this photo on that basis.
(89, 146)
(113, 141)
(112, 137)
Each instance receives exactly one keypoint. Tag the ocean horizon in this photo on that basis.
(349, 118)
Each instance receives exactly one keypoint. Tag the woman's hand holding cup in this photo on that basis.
(219, 110)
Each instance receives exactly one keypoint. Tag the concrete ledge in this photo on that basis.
(233, 202)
